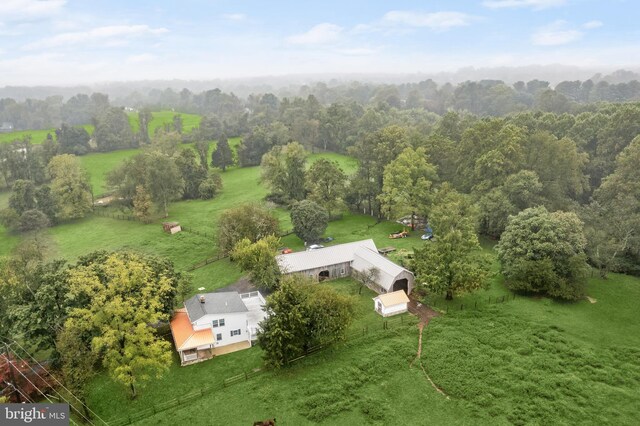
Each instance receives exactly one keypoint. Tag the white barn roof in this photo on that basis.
(366, 258)
(333, 255)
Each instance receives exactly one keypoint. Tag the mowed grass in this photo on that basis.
(160, 118)
(241, 185)
(99, 164)
(37, 136)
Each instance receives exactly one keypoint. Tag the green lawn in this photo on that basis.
(37, 136)
(160, 118)
(99, 164)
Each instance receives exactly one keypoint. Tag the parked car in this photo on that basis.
(315, 247)
(426, 237)
(286, 250)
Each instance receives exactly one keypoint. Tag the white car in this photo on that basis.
(315, 247)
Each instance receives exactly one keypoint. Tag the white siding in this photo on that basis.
(387, 311)
(237, 321)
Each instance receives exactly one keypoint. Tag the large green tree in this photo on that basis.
(222, 157)
(123, 296)
(407, 187)
(283, 169)
(250, 221)
(70, 187)
(259, 260)
(542, 252)
(452, 263)
(309, 220)
(301, 315)
(326, 184)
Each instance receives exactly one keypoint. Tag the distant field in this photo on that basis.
(160, 118)
(99, 164)
(37, 136)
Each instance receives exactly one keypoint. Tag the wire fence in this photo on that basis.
(391, 324)
(477, 304)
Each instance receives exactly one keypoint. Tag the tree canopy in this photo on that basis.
(542, 252)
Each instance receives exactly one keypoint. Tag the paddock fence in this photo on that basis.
(389, 325)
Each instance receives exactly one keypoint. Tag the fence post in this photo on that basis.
(461, 307)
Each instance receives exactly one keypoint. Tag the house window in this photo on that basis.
(342, 271)
(218, 323)
(235, 332)
(218, 337)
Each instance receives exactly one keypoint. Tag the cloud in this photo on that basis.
(533, 4)
(556, 34)
(235, 17)
(592, 24)
(109, 35)
(143, 57)
(357, 51)
(320, 34)
(439, 21)
(26, 9)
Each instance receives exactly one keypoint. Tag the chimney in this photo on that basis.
(202, 298)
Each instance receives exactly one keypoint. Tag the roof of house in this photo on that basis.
(214, 303)
(312, 259)
(184, 336)
(365, 258)
(393, 298)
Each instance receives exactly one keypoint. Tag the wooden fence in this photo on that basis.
(350, 339)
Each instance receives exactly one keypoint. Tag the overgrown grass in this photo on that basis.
(37, 136)
(347, 393)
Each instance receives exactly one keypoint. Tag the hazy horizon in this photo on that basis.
(67, 42)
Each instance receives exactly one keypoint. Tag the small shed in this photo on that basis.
(389, 304)
(168, 226)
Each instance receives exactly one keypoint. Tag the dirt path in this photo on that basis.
(425, 313)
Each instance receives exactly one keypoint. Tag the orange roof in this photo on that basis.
(184, 336)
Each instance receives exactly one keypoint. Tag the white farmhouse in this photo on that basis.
(213, 324)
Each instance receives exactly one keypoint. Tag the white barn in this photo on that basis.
(343, 259)
(391, 303)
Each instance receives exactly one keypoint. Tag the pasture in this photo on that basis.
(160, 118)
(518, 362)
(522, 360)
(37, 136)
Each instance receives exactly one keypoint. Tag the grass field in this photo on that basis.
(37, 136)
(526, 361)
(99, 164)
(160, 118)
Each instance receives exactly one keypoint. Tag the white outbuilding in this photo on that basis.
(393, 303)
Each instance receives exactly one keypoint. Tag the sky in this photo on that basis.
(69, 42)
